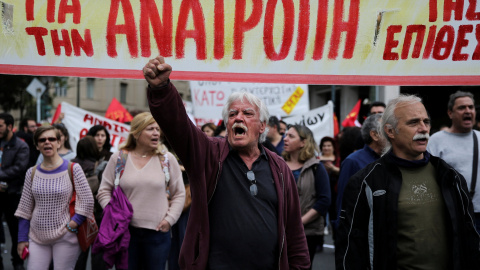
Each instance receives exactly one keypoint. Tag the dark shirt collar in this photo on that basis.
(409, 163)
(262, 151)
(12, 140)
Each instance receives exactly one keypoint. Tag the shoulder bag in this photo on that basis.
(88, 230)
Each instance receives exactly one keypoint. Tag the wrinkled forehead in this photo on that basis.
(242, 105)
(408, 110)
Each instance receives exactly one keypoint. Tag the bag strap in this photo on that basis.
(120, 167)
(473, 184)
(70, 173)
(34, 169)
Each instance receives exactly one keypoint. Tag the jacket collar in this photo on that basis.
(408, 163)
(370, 150)
(12, 141)
(310, 162)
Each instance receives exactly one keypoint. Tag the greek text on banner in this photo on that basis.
(289, 41)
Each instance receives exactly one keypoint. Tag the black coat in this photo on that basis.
(352, 246)
(14, 164)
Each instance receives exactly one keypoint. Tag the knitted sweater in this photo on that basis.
(145, 190)
(45, 201)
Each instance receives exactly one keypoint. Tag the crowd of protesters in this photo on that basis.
(218, 196)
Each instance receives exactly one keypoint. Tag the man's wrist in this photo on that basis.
(165, 83)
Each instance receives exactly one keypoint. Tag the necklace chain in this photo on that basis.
(143, 156)
(52, 166)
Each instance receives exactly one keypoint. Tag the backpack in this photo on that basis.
(92, 179)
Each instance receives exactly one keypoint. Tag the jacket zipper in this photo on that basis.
(216, 182)
(283, 229)
(465, 208)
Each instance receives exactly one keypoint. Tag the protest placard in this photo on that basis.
(319, 121)
(208, 98)
(368, 42)
(79, 121)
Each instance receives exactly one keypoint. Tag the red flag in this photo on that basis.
(336, 128)
(117, 112)
(351, 118)
(58, 111)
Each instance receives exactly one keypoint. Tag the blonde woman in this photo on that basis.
(149, 169)
(312, 183)
(45, 225)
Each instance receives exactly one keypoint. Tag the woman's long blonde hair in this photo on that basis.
(138, 124)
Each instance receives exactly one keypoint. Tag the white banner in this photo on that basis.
(79, 121)
(282, 100)
(319, 120)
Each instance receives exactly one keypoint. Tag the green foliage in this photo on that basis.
(13, 94)
(12, 88)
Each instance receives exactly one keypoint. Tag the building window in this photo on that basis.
(90, 87)
(123, 93)
(60, 91)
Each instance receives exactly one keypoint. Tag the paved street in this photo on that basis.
(323, 260)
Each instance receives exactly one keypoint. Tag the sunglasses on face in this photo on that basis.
(50, 139)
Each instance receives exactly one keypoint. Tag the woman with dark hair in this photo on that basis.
(102, 138)
(88, 157)
(331, 161)
(329, 157)
(46, 227)
(312, 183)
(65, 151)
(209, 129)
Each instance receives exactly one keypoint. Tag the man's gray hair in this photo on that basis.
(389, 118)
(252, 99)
(456, 95)
(372, 123)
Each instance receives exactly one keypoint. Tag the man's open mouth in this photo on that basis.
(239, 129)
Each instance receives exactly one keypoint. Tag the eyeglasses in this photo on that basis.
(50, 139)
(253, 183)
